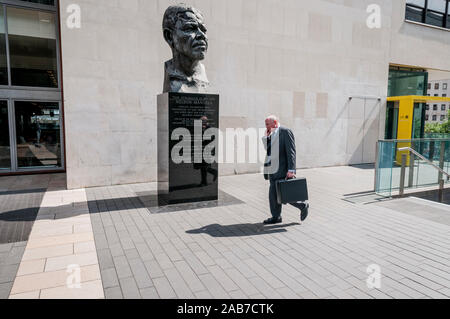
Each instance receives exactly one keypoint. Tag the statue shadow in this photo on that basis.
(241, 230)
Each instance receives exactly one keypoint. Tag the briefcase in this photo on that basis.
(292, 191)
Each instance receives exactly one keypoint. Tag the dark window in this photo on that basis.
(3, 58)
(447, 25)
(5, 157)
(428, 107)
(436, 12)
(442, 117)
(444, 86)
(444, 95)
(415, 10)
(429, 86)
(434, 118)
(436, 95)
(46, 2)
(435, 107)
(443, 107)
(32, 47)
(403, 81)
(436, 86)
(432, 12)
(427, 117)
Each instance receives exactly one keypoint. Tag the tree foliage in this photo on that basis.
(443, 128)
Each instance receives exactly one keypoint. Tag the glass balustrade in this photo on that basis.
(418, 172)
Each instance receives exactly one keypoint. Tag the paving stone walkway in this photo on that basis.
(225, 251)
(61, 244)
(20, 200)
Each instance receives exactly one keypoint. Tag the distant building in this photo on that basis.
(438, 112)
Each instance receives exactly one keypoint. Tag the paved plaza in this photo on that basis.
(116, 244)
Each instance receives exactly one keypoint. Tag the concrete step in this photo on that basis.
(430, 194)
(420, 207)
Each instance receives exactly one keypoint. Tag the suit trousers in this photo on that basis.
(276, 208)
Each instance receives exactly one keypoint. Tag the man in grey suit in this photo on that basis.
(280, 164)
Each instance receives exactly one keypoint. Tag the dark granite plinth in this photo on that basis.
(187, 148)
(151, 202)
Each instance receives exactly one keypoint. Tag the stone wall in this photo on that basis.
(298, 59)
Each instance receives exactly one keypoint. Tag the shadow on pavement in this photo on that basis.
(364, 166)
(241, 230)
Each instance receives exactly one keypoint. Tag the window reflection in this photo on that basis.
(436, 12)
(46, 2)
(5, 154)
(432, 12)
(437, 5)
(420, 3)
(32, 46)
(3, 59)
(38, 134)
(415, 10)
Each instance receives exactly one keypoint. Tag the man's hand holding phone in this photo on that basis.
(270, 131)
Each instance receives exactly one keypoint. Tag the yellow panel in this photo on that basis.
(406, 117)
(405, 125)
(418, 98)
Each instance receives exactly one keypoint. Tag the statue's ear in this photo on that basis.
(168, 36)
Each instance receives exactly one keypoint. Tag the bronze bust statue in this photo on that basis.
(185, 32)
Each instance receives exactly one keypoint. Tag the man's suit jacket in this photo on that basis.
(281, 154)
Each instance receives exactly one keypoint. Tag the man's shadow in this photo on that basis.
(241, 230)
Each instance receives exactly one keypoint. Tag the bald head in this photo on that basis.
(272, 123)
(272, 118)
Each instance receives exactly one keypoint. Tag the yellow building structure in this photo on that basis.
(405, 106)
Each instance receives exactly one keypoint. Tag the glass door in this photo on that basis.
(38, 135)
(5, 142)
(391, 121)
(419, 121)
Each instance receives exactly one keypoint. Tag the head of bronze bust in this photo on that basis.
(185, 32)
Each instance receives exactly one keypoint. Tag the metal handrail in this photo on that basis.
(403, 171)
(430, 139)
(403, 149)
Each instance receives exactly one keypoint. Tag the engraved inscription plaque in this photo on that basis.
(188, 167)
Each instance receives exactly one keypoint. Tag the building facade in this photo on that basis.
(438, 112)
(81, 98)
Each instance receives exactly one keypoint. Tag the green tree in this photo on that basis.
(433, 128)
(443, 128)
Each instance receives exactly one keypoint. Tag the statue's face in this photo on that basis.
(189, 36)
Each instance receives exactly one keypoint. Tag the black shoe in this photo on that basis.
(304, 213)
(272, 221)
